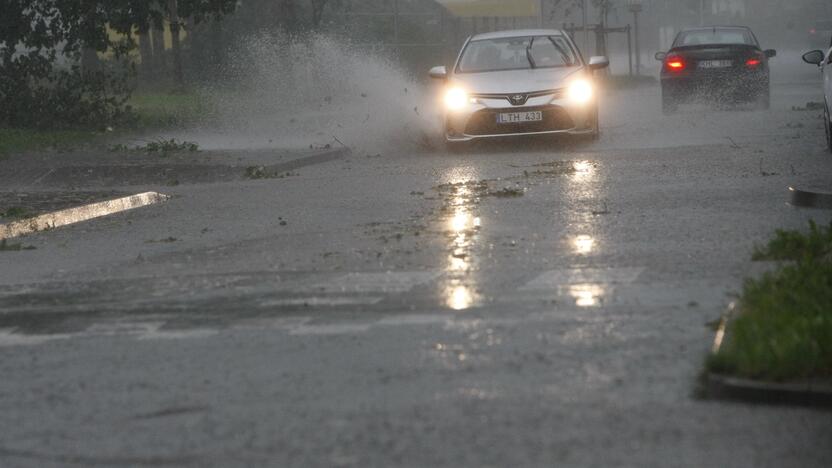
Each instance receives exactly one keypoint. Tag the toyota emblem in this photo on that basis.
(518, 99)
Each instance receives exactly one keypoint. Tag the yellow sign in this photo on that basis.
(499, 8)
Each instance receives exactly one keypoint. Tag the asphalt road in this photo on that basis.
(522, 304)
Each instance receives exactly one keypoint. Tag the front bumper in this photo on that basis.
(478, 119)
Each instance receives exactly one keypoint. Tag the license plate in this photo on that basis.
(519, 117)
(716, 63)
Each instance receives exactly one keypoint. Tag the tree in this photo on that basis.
(43, 44)
(318, 7)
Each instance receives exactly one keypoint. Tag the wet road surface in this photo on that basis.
(522, 304)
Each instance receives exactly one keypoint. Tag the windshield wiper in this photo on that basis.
(529, 54)
(563, 55)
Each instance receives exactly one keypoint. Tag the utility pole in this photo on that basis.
(701, 12)
(635, 7)
(396, 24)
(586, 25)
(540, 23)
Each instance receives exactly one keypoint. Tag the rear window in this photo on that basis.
(715, 36)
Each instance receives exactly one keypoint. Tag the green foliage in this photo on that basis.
(14, 212)
(795, 245)
(168, 110)
(9, 247)
(162, 147)
(784, 330)
(20, 140)
(44, 43)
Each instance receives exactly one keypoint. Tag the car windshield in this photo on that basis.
(715, 36)
(517, 53)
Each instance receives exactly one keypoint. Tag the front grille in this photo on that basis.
(484, 122)
(556, 93)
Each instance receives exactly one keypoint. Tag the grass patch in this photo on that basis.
(784, 327)
(14, 140)
(156, 110)
(794, 245)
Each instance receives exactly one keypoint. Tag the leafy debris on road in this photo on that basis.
(8, 247)
(161, 146)
(14, 212)
(262, 172)
(810, 106)
(166, 240)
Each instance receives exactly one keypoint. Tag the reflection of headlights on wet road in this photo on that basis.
(580, 91)
(456, 99)
(460, 298)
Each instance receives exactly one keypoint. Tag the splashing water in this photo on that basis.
(282, 92)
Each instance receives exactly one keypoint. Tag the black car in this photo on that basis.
(724, 64)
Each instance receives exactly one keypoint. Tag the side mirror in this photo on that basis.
(814, 57)
(599, 62)
(660, 56)
(770, 53)
(439, 73)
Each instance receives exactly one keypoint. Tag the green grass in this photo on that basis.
(14, 140)
(784, 327)
(159, 110)
(794, 245)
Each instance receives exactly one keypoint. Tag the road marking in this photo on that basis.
(553, 279)
(321, 301)
(375, 282)
(78, 214)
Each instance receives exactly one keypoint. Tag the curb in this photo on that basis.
(78, 214)
(806, 199)
(805, 393)
(801, 393)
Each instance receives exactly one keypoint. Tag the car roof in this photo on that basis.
(711, 28)
(517, 33)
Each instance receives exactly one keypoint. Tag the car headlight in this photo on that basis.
(580, 91)
(455, 98)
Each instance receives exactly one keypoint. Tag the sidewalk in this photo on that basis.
(97, 169)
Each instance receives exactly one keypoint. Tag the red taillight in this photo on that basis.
(813, 31)
(675, 63)
(753, 62)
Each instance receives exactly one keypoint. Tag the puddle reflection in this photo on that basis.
(584, 244)
(587, 295)
(459, 287)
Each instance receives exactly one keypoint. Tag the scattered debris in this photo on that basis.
(6, 247)
(605, 211)
(257, 172)
(14, 212)
(764, 173)
(507, 192)
(810, 106)
(166, 240)
(161, 146)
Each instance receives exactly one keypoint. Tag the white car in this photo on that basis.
(516, 83)
(824, 61)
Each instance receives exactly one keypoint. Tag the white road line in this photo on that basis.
(322, 301)
(78, 214)
(375, 282)
(554, 279)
